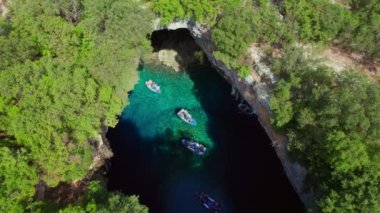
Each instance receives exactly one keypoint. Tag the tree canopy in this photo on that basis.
(241, 25)
(65, 70)
(197, 10)
(98, 199)
(67, 65)
(333, 122)
(354, 25)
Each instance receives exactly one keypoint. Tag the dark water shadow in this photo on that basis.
(243, 160)
(130, 156)
(143, 166)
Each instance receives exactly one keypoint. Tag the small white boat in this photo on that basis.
(185, 116)
(153, 86)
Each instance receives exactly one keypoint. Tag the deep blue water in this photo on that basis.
(241, 169)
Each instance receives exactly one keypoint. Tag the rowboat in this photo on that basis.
(209, 203)
(185, 116)
(153, 86)
(194, 147)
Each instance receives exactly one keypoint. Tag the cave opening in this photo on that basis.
(241, 169)
(178, 42)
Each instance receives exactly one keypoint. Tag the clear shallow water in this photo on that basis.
(241, 170)
(156, 113)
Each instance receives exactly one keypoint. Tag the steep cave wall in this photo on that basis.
(254, 89)
(102, 152)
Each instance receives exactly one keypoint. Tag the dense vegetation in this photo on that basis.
(65, 70)
(333, 122)
(66, 66)
(356, 29)
(98, 199)
(200, 10)
(354, 25)
(242, 25)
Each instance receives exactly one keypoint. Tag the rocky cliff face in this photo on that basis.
(69, 192)
(102, 152)
(254, 90)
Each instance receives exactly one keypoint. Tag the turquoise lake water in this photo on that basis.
(155, 114)
(240, 170)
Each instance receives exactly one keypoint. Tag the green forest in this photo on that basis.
(354, 24)
(332, 122)
(66, 67)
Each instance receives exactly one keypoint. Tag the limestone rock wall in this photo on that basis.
(102, 152)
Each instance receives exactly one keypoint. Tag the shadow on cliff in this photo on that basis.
(245, 160)
(178, 40)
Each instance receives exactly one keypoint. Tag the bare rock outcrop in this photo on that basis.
(102, 152)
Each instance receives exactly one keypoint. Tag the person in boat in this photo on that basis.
(192, 146)
(187, 116)
(153, 85)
